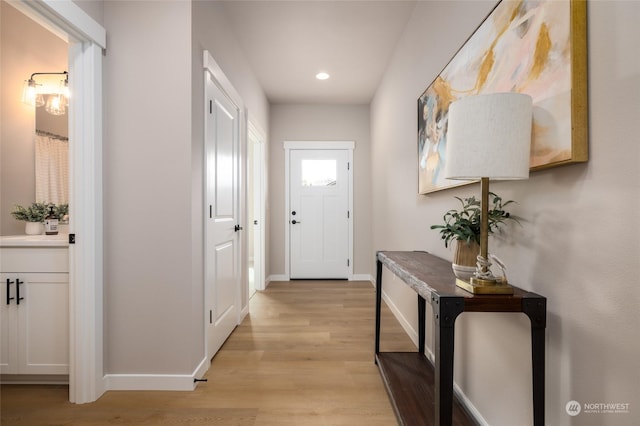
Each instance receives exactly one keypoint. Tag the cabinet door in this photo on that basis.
(8, 326)
(43, 324)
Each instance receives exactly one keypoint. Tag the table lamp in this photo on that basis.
(488, 138)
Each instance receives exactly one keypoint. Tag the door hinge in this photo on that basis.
(348, 214)
(210, 316)
(210, 211)
(348, 262)
(348, 166)
(210, 106)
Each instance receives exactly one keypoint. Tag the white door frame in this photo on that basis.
(218, 76)
(255, 133)
(288, 146)
(86, 39)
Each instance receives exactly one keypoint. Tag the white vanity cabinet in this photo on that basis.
(34, 309)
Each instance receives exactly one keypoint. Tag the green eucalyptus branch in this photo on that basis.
(464, 224)
(37, 212)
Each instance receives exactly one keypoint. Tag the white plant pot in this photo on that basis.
(33, 228)
(463, 272)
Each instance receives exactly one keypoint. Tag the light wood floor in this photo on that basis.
(304, 356)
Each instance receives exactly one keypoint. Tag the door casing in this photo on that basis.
(218, 76)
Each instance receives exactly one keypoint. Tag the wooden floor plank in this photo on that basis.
(304, 356)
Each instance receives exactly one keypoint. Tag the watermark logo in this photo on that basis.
(573, 408)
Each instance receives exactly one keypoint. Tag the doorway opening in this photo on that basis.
(256, 216)
(34, 340)
(86, 39)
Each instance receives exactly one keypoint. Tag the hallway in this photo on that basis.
(304, 356)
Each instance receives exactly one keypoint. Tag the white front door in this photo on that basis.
(222, 251)
(319, 213)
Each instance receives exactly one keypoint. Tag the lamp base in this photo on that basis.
(480, 286)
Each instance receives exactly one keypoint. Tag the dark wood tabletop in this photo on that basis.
(429, 275)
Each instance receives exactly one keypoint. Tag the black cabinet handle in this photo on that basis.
(18, 291)
(9, 298)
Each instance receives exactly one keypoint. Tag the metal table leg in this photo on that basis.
(446, 310)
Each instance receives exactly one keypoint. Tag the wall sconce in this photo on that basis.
(489, 137)
(58, 100)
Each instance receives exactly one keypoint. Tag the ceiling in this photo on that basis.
(288, 42)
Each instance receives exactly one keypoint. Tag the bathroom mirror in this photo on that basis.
(51, 141)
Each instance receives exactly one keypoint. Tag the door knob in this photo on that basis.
(237, 228)
(293, 222)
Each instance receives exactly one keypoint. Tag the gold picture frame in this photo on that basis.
(538, 48)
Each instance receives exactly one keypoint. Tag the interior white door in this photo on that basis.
(222, 251)
(319, 213)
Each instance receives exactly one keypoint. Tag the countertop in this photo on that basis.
(60, 240)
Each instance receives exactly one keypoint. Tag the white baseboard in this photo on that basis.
(361, 277)
(277, 278)
(202, 368)
(471, 409)
(156, 382)
(354, 277)
(149, 382)
(243, 314)
(413, 334)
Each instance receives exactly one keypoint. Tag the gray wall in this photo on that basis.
(153, 165)
(579, 240)
(211, 32)
(320, 123)
(26, 47)
(147, 175)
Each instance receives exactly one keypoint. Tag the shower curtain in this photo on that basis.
(52, 168)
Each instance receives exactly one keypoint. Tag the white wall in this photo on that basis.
(579, 240)
(26, 48)
(320, 123)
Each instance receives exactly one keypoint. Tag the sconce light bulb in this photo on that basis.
(64, 91)
(56, 105)
(30, 94)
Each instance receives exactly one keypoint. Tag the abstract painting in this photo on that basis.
(532, 47)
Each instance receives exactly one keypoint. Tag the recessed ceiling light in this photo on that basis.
(322, 76)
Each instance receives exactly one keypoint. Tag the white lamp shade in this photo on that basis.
(489, 136)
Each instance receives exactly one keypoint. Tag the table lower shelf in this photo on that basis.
(409, 379)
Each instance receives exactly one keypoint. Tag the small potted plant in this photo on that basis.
(61, 210)
(33, 215)
(463, 226)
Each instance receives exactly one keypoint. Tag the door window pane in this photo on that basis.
(319, 172)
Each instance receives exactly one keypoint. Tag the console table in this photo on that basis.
(422, 393)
